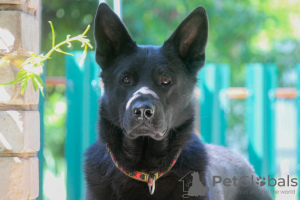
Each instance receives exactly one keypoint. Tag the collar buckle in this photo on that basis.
(151, 184)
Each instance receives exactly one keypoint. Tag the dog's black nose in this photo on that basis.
(143, 110)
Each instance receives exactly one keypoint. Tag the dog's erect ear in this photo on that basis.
(112, 38)
(190, 38)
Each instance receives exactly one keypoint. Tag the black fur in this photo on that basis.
(146, 142)
(180, 57)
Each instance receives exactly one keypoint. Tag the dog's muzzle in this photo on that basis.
(144, 117)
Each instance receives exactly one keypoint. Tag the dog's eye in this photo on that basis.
(165, 81)
(126, 79)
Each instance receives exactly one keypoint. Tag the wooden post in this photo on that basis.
(83, 93)
(214, 80)
(19, 114)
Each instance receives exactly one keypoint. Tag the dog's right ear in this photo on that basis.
(112, 37)
(190, 38)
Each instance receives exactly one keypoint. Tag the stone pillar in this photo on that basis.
(19, 115)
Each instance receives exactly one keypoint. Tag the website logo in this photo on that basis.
(246, 181)
(192, 186)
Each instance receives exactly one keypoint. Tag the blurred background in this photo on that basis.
(241, 32)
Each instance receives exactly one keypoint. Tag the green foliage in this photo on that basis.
(69, 16)
(55, 119)
(85, 43)
(240, 31)
(31, 69)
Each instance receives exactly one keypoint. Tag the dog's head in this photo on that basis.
(149, 89)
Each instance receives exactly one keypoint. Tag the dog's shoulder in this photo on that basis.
(98, 162)
(98, 171)
(193, 156)
(225, 164)
(223, 160)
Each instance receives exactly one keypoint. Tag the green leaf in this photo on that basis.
(35, 84)
(83, 56)
(37, 61)
(88, 43)
(53, 34)
(69, 43)
(36, 80)
(32, 54)
(24, 84)
(20, 76)
(61, 51)
(86, 30)
(42, 91)
(39, 80)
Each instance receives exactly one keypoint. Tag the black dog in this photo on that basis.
(147, 115)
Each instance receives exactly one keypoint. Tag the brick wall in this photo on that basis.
(19, 115)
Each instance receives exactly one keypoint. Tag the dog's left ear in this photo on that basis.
(112, 37)
(190, 38)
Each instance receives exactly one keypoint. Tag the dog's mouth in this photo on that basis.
(144, 130)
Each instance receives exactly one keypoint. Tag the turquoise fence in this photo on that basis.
(41, 151)
(213, 90)
(261, 83)
(298, 123)
(83, 92)
(82, 83)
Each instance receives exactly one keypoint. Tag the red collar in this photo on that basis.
(143, 176)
